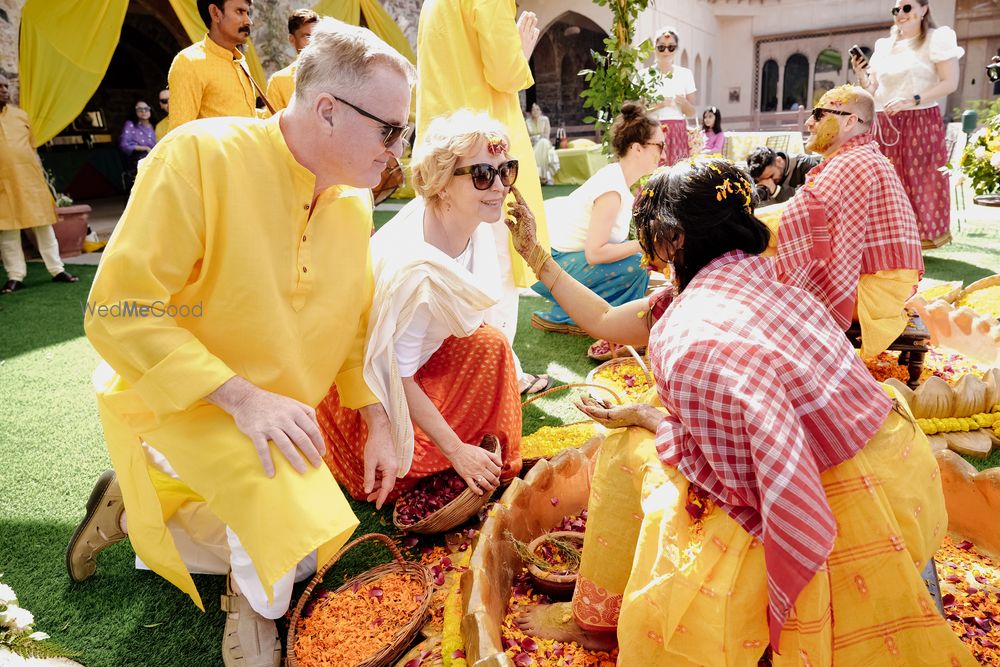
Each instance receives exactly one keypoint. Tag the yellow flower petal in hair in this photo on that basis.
(495, 144)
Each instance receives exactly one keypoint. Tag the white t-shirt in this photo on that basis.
(681, 83)
(569, 217)
(905, 69)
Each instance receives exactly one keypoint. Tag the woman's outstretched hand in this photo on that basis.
(620, 416)
(521, 224)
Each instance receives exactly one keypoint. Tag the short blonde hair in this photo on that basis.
(341, 58)
(447, 140)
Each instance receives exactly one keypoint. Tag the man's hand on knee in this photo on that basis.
(265, 416)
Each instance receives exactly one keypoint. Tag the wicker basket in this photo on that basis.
(951, 296)
(988, 281)
(428, 646)
(404, 636)
(593, 379)
(455, 513)
(528, 464)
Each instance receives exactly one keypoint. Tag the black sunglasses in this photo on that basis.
(819, 112)
(484, 174)
(906, 9)
(664, 47)
(391, 132)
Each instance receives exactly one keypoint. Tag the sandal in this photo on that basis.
(532, 386)
(63, 277)
(11, 286)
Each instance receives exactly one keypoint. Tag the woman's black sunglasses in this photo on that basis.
(906, 9)
(484, 174)
(666, 47)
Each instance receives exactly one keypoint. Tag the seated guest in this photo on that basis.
(778, 175)
(784, 499)
(539, 130)
(446, 377)
(850, 235)
(711, 127)
(137, 139)
(590, 227)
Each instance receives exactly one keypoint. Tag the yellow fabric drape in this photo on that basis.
(378, 20)
(65, 50)
(187, 12)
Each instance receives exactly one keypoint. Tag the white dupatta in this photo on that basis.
(409, 272)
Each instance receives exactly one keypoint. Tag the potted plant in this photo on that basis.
(71, 221)
(981, 162)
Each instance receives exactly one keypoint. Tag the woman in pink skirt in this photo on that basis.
(676, 85)
(910, 72)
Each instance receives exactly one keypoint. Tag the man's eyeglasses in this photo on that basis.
(819, 112)
(484, 174)
(658, 144)
(666, 47)
(906, 9)
(391, 132)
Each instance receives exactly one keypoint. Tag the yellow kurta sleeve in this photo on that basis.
(166, 365)
(504, 67)
(880, 307)
(186, 90)
(280, 87)
(351, 385)
(162, 128)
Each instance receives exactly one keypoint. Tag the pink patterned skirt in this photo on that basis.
(675, 138)
(914, 141)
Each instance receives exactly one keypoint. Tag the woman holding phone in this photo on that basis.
(910, 72)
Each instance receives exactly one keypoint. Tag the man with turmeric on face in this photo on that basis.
(849, 235)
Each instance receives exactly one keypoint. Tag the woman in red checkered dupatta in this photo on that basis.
(775, 499)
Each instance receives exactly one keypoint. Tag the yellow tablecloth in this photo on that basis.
(740, 144)
(576, 165)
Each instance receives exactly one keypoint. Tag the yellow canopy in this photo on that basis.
(377, 19)
(65, 50)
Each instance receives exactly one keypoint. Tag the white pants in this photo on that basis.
(12, 255)
(503, 316)
(207, 546)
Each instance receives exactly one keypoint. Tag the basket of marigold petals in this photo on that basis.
(548, 441)
(983, 296)
(625, 376)
(440, 502)
(367, 622)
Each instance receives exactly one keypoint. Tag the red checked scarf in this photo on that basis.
(764, 392)
(851, 217)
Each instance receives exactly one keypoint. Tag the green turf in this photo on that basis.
(51, 450)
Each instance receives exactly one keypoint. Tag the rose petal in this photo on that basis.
(457, 653)
(523, 659)
(948, 600)
(554, 501)
(529, 644)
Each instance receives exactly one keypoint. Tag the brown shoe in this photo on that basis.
(99, 529)
(249, 639)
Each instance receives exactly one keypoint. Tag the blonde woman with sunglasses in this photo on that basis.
(676, 87)
(910, 73)
(446, 376)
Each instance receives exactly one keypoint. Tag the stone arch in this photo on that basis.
(684, 59)
(699, 84)
(795, 88)
(769, 85)
(563, 50)
(708, 82)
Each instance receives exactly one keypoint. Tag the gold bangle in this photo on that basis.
(536, 259)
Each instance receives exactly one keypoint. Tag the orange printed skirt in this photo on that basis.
(472, 383)
(681, 592)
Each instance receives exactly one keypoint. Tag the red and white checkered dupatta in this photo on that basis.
(764, 393)
(851, 217)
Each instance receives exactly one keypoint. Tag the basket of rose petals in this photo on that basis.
(440, 502)
(368, 621)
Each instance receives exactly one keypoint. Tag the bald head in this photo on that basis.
(855, 99)
(840, 115)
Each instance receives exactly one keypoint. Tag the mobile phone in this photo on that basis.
(860, 55)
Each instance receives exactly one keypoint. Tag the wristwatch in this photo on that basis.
(916, 100)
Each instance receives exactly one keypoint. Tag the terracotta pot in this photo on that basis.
(557, 586)
(71, 228)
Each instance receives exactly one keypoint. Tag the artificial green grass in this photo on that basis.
(52, 449)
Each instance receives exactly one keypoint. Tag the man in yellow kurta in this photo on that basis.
(25, 200)
(472, 54)
(228, 301)
(281, 85)
(163, 126)
(210, 78)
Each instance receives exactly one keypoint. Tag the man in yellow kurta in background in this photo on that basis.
(281, 85)
(210, 78)
(163, 126)
(472, 54)
(25, 199)
(229, 299)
